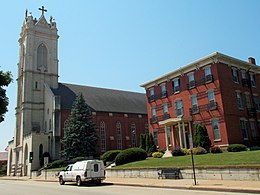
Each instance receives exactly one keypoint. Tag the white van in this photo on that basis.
(87, 170)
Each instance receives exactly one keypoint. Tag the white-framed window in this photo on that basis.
(119, 135)
(103, 136)
(165, 108)
(252, 127)
(163, 90)
(252, 79)
(176, 86)
(133, 130)
(191, 80)
(216, 130)
(208, 75)
(256, 102)
(235, 76)
(146, 127)
(194, 104)
(155, 136)
(151, 92)
(153, 112)
(178, 108)
(240, 103)
(211, 98)
(243, 127)
(248, 101)
(243, 74)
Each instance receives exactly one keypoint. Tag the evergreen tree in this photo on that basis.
(5, 80)
(152, 144)
(201, 137)
(80, 134)
(142, 141)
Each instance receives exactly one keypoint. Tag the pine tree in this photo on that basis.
(142, 141)
(152, 144)
(80, 134)
(201, 137)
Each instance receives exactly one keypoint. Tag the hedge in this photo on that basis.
(130, 155)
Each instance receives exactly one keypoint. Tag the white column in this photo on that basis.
(190, 135)
(173, 141)
(184, 135)
(180, 137)
(166, 138)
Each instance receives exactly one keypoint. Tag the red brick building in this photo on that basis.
(218, 91)
(120, 116)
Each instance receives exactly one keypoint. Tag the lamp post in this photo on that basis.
(192, 159)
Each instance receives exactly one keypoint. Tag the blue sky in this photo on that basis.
(121, 44)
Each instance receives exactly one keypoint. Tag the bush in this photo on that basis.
(157, 155)
(199, 150)
(110, 156)
(3, 170)
(130, 155)
(236, 148)
(186, 151)
(215, 149)
(178, 152)
(57, 164)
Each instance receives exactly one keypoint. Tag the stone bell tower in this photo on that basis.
(37, 67)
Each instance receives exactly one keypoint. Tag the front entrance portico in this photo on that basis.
(178, 134)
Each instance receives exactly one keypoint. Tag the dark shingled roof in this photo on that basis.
(101, 99)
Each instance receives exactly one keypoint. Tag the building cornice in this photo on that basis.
(213, 58)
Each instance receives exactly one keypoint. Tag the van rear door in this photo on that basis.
(95, 169)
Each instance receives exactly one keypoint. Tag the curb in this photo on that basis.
(251, 191)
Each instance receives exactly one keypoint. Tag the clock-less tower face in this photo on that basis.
(38, 66)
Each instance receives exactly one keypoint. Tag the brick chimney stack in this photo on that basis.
(251, 60)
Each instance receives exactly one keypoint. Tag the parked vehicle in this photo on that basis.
(82, 171)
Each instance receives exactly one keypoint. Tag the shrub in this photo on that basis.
(3, 170)
(130, 155)
(215, 149)
(236, 148)
(186, 151)
(199, 150)
(157, 155)
(110, 156)
(201, 137)
(178, 152)
(57, 164)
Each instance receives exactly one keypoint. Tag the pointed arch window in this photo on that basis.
(103, 136)
(133, 130)
(42, 57)
(119, 135)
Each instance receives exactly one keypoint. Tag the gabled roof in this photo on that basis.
(101, 99)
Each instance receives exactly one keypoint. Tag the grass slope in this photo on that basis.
(247, 158)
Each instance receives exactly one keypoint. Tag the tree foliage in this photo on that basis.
(201, 137)
(147, 142)
(5, 80)
(80, 134)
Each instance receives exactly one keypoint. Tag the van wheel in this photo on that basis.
(78, 181)
(61, 181)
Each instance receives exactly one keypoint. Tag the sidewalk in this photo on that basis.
(209, 185)
(213, 185)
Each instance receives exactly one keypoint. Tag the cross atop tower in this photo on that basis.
(43, 10)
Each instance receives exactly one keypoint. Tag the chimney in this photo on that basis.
(251, 60)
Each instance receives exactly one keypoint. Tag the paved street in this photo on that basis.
(12, 187)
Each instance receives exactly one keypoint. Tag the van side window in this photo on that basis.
(95, 167)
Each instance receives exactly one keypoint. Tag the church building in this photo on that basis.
(43, 104)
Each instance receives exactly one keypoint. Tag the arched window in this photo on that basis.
(103, 136)
(133, 130)
(119, 135)
(42, 57)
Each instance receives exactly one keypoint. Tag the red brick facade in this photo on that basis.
(217, 83)
(112, 138)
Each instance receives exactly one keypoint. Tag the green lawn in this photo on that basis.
(248, 158)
